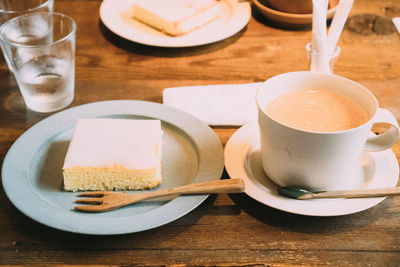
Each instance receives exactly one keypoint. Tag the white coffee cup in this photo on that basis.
(319, 160)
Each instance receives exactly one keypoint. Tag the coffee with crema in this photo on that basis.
(316, 110)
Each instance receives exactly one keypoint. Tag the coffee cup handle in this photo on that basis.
(388, 138)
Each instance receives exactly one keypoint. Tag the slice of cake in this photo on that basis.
(113, 154)
(176, 17)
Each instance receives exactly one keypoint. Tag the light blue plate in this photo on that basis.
(32, 174)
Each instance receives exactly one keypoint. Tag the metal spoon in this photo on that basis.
(302, 194)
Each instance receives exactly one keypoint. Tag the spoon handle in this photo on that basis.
(360, 193)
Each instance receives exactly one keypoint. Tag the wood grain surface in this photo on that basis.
(225, 230)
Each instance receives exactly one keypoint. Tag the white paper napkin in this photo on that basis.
(396, 22)
(319, 59)
(228, 104)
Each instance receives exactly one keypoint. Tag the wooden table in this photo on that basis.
(225, 229)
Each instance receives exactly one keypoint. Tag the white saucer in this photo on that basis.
(117, 17)
(242, 159)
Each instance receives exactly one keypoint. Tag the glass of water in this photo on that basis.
(13, 8)
(40, 51)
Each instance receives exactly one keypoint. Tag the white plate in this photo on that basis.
(32, 174)
(242, 159)
(117, 17)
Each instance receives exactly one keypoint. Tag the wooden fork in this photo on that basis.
(109, 200)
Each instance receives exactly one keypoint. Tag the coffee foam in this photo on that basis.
(316, 110)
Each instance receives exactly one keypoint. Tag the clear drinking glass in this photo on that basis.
(40, 51)
(332, 57)
(13, 8)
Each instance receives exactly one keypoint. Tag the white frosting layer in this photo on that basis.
(176, 17)
(132, 144)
